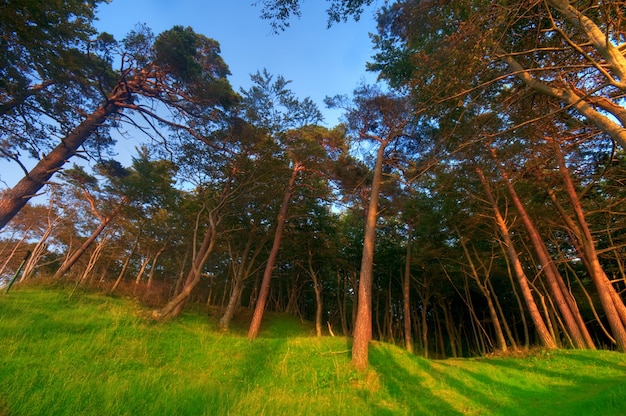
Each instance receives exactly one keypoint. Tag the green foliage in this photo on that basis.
(91, 354)
(278, 12)
(49, 64)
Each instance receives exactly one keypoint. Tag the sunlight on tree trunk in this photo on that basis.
(363, 325)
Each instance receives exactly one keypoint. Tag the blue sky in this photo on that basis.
(318, 61)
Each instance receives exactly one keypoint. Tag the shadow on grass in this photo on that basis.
(406, 383)
(564, 382)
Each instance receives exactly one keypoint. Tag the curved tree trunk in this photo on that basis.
(126, 262)
(174, 307)
(317, 289)
(482, 286)
(240, 273)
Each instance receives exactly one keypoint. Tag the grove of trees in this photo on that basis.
(469, 203)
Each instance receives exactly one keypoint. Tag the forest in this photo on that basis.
(471, 202)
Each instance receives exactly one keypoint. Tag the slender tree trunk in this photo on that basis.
(13, 251)
(363, 324)
(501, 342)
(520, 303)
(564, 300)
(38, 250)
(406, 293)
(544, 335)
(174, 307)
(93, 259)
(355, 290)
(12, 200)
(142, 269)
(259, 309)
(233, 302)
(240, 272)
(450, 328)
(424, 327)
(154, 263)
(342, 304)
(503, 320)
(126, 262)
(65, 267)
(317, 288)
(613, 306)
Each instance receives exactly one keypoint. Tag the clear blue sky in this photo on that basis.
(318, 61)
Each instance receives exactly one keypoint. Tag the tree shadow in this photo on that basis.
(407, 385)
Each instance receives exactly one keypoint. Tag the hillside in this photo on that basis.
(96, 355)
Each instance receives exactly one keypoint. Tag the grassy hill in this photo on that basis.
(94, 355)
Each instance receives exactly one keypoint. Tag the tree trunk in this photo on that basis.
(613, 306)
(93, 259)
(424, 326)
(142, 269)
(342, 303)
(154, 263)
(67, 265)
(174, 307)
(12, 200)
(482, 286)
(544, 335)
(363, 324)
(126, 262)
(38, 250)
(317, 288)
(567, 305)
(241, 271)
(406, 293)
(261, 301)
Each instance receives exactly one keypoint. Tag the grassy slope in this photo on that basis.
(93, 355)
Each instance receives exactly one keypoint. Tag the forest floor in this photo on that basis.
(89, 354)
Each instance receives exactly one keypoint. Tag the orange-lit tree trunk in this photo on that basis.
(565, 302)
(542, 330)
(264, 291)
(611, 302)
(363, 325)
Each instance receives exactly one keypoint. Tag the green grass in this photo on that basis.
(97, 355)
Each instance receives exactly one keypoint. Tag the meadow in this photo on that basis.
(90, 354)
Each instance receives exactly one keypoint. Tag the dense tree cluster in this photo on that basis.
(474, 203)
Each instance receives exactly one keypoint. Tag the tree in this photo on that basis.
(383, 119)
(307, 157)
(278, 12)
(179, 69)
(565, 301)
(547, 339)
(566, 50)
